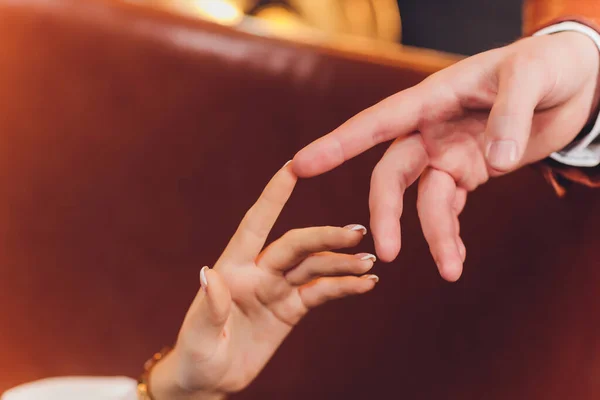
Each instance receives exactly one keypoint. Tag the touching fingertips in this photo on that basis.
(357, 227)
(366, 257)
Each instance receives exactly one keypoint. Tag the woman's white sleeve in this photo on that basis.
(75, 388)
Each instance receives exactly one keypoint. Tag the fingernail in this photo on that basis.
(366, 256)
(357, 227)
(374, 278)
(502, 154)
(203, 280)
(286, 164)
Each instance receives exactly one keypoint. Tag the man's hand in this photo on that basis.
(484, 116)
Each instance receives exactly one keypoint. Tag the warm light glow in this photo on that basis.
(279, 17)
(221, 11)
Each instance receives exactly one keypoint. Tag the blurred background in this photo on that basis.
(464, 27)
(134, 134)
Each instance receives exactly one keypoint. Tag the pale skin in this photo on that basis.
(485, 116)
(449, 131)
(253, 297)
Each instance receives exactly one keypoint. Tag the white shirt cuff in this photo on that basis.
(583, 153)
(75, 388)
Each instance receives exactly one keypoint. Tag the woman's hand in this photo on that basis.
(250, 301)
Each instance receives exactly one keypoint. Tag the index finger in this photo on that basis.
(250, 237)
(396, 116)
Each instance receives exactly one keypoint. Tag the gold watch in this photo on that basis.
(143, 387)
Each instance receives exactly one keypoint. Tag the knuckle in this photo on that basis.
(378, 174)
(250, 225)
(330, 236)
(311, 266)
(290, 237)
(382, 129)
(525, 64)
(292, 233)
(287, 245)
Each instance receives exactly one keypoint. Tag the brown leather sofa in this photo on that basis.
(131, 143)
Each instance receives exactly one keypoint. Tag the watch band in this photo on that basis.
(143, 387)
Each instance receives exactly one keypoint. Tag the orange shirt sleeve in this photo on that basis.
(539, 13)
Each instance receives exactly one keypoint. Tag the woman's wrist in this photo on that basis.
(166, 384)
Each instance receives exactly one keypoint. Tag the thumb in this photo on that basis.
(520, 88)
(208, 314)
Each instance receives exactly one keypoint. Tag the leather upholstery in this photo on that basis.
(132, 142)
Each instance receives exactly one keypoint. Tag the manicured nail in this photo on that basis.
(357, 227)
(286, 164)
(203, 280)
(366, 256)
(502, 154)
(374, 278)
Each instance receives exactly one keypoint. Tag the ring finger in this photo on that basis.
(329, 264)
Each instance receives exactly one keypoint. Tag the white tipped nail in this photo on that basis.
(374, 278)
(287, 163)
(203, 280)
(357, 227)
(367, 256)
